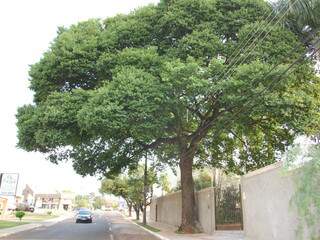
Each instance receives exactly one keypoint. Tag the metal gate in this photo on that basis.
(228, 208)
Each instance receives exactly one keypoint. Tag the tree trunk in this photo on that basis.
(189, 221)
(130, 210)
(145, 190)
(137, 210)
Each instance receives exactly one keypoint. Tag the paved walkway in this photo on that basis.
(167, 232)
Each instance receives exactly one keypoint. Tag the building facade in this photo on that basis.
(28, 195)
(56, 201)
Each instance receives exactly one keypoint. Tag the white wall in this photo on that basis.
(169, 209)
(267, 212)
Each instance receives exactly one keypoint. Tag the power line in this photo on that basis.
(295, 49)
(228, 124)
(240, 48)
(232, 65)
(246, 40)
(254, 44)
(241, 110)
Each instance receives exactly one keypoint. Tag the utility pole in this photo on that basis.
(145, 190)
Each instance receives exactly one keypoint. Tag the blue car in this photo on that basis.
(84, 216)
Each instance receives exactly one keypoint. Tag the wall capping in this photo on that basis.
(264, 169)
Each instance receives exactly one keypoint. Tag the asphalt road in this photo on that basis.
(105, 226)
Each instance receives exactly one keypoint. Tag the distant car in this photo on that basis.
(24, 207)
(84, 216)
(109, 209)
(31, 209)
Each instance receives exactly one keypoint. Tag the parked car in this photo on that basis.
(84, 216)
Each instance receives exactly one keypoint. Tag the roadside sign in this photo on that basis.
(8, 184)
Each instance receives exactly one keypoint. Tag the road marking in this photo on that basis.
(111, 237)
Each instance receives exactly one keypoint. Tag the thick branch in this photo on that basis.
(160, 141)
(204, 128)
(196, 112)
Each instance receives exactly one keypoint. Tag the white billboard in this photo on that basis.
(8, 184)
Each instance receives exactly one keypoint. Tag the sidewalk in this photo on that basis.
(167, 232)
(12, 230)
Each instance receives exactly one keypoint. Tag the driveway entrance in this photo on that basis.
(228, 209)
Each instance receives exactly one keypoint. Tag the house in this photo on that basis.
(55, 201)
(28, 195)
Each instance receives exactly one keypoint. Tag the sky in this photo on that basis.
(26, 30)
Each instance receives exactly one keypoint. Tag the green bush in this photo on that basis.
(49, 213)
(20, 214)
(306, 197)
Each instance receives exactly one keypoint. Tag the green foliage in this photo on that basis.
(131, 186)
(153, 80)
(20, 214)
(301, 13)
(164, 183)
(49, 213)
(98, 202)
(228, 208)
(203, 179)
(107, 91)
(306, 198)
(70, 63)
(81, 201)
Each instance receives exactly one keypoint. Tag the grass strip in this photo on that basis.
(147, 226)
(9, 224)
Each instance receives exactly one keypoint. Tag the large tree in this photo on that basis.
(164, 80)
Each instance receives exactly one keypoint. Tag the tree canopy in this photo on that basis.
(162, 79)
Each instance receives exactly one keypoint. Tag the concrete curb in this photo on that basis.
(26, 227)
(147, 230)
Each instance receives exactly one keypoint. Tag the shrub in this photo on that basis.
(49, 213)
(20, 214)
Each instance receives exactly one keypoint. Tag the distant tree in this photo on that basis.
(164, 184)
(202, 180)
(131, 188)
(98, 202)
(119, 187)
(81, 201)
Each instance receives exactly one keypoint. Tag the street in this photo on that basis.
(106, 226)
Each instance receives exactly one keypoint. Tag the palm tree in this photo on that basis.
(302, 15)
(303, 18)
